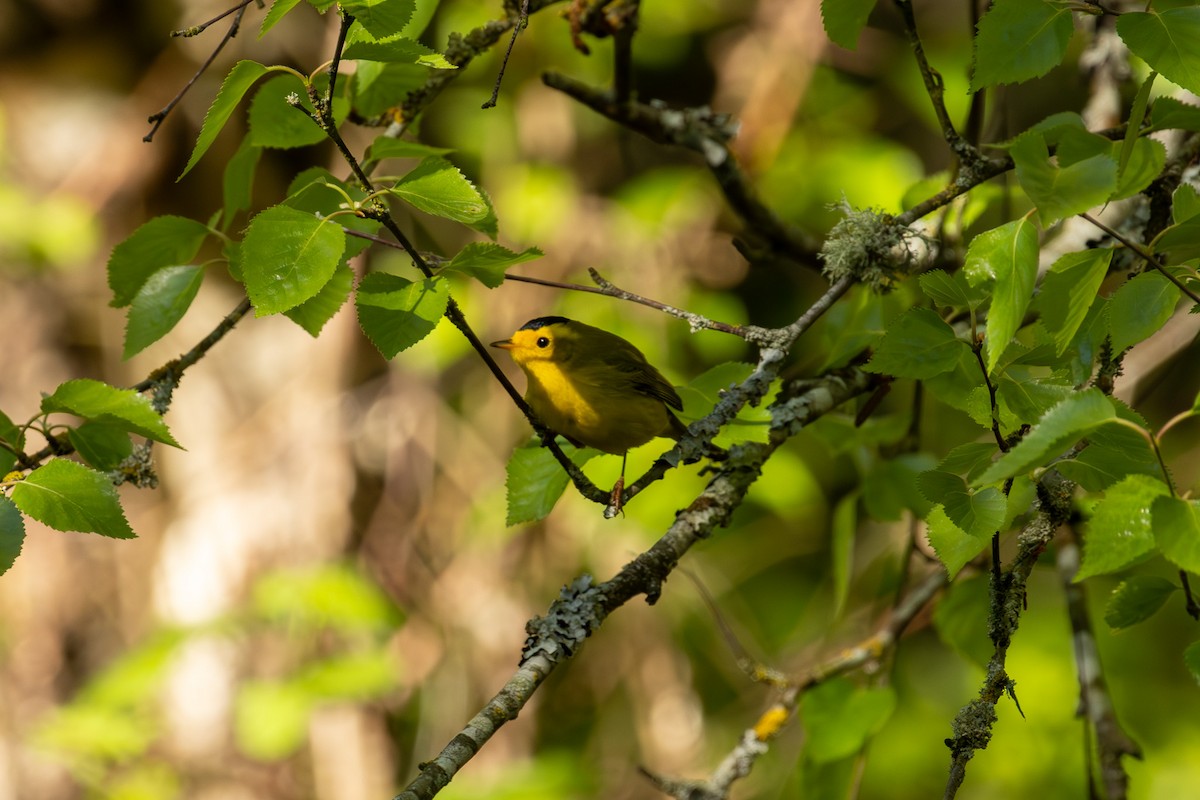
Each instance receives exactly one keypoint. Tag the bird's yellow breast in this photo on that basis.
(584, 407)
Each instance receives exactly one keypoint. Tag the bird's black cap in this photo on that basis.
(542, 322)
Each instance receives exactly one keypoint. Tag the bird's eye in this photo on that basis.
(543, 341)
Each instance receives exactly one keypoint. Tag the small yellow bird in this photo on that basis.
(593, 387)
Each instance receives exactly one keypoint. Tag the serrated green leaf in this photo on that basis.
(100, 402)
(1119, 533)
(1166, 41)
(1137, 113)
(239, 80)
(374, 86)
(977, 514)
(1019, 40)
(12, 436)
(840, 717)
(1185, 203)
(162, 242)
(275, 123)
(159, 305)
(436, 187)
(487, 261)
(535, 480)
(845, 19)
(961, 619)
(1063, 425)
(1145, 164)
(287, 256)
(1139, 308)
(1176, 524)
(68, 496)
(1181, 241)
(1191, 658)
(890, 488)
(381, 18)
(317, 191)
(917, 345)
(1113, 452)
(314, 312)
(394, 51)
(396, 313)
(1024, 398)
(238, 182)
(968, 459)
(101, 444)
(1011, 255)
(1062, 191)
(1167, 113)
(389, 147)
(278, 10)
(12, 534)
(954, 546)
(1069, 290)
(950, 291)
(1136, 600)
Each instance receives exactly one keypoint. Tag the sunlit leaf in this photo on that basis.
(288, 256)
(98, 401)
(1120, 532)
(1019, 40)
(68, 496)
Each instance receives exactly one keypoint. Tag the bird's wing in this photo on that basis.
(640, 376)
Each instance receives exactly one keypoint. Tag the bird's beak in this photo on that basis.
(503, 344)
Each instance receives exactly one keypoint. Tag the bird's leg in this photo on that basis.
(615, 500)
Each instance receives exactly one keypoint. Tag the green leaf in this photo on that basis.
(977, 514)
(968, 459)
(1177, 531)
(236, 84)
(101, 444)
(1025, 398)
(1136, 600)
(68, 496)
(954, 546)
(1068, 291)
(271, 719)
(1011, 254)
(381, 18)
(287, 256)
(1019, 40)
(374, 87)
(486, 261)
(917, 345)
(396, 313)
(314, 312)
(1113, 452)
(1145, 164)
(12, 534)
(274, 122)
(100, 402)
(840, 717)
(535, 480)
(278, 9)
(390, 147)
(1139, 308)
(159, 305)
(1166, 41)
(1120, 534)
(1167, 113)
(1185, 203)
(845, 19)
(1063, 425)
(841, 546)
(14, 437)
(161, 242)
(1137, 113)
(436, 187)
(1062, 191)
(961, 619)
(238, 182)
(950, 291)
(1181, 241)
(318, 192)
(1191, 657)
(394, 51)
(890, 488)
(329, 596)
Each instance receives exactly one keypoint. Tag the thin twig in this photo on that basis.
(157, 119)
(1145, 254)
(520, 25)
